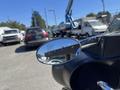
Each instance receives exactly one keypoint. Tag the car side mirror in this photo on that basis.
(57, 51)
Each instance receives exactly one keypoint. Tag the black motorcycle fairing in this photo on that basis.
(98, 62)
(63, 72)
(108, 47)
(86, 76)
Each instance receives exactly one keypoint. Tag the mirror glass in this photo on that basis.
(57, 51)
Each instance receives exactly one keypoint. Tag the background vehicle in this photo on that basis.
(2, 29)
(56, 33)
(115, 25)
(92, 27)
(87, 26)
(35, 36)
(10, 36)
(82, 67)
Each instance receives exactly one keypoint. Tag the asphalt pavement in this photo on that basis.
(20, 70)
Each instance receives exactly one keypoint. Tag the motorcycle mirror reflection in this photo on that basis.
(58, 51)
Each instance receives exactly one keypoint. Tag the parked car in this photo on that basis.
(2, 29)
(10, 36)
(35, 36)
(92, 27)
(88, 27)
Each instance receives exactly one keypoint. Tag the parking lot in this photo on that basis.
(20, 70)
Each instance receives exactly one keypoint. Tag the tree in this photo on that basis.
(91, 15)
(37, 20)
(13, 24)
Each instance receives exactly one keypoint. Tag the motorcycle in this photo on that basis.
(80, 67)
(88, 64)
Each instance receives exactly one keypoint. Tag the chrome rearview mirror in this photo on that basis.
(57, 51)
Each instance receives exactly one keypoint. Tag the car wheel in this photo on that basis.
(5, 44)
(19, 42)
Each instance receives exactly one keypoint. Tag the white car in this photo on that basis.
(93, 27)
(2, 29)
(10, 36)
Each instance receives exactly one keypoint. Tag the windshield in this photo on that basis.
(115, 25)
(34, 31)
(10, 32)
(95, 23)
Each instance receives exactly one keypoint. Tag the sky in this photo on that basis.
(21, 10)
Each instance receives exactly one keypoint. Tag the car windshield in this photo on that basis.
(95, 23)
(33, 31)
(10, 31)
(115, 25)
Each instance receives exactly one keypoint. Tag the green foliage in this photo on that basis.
(91, 15)
(13, 24)
(104, 13)
(37, 20)
(102, 16)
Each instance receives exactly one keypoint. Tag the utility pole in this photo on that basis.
(103, 4)
(54, 13)
(46, 18)
(34, 19)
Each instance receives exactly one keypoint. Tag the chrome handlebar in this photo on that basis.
(104, 85)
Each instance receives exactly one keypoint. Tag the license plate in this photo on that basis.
(38, 37)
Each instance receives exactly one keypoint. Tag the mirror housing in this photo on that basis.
(58, 51)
